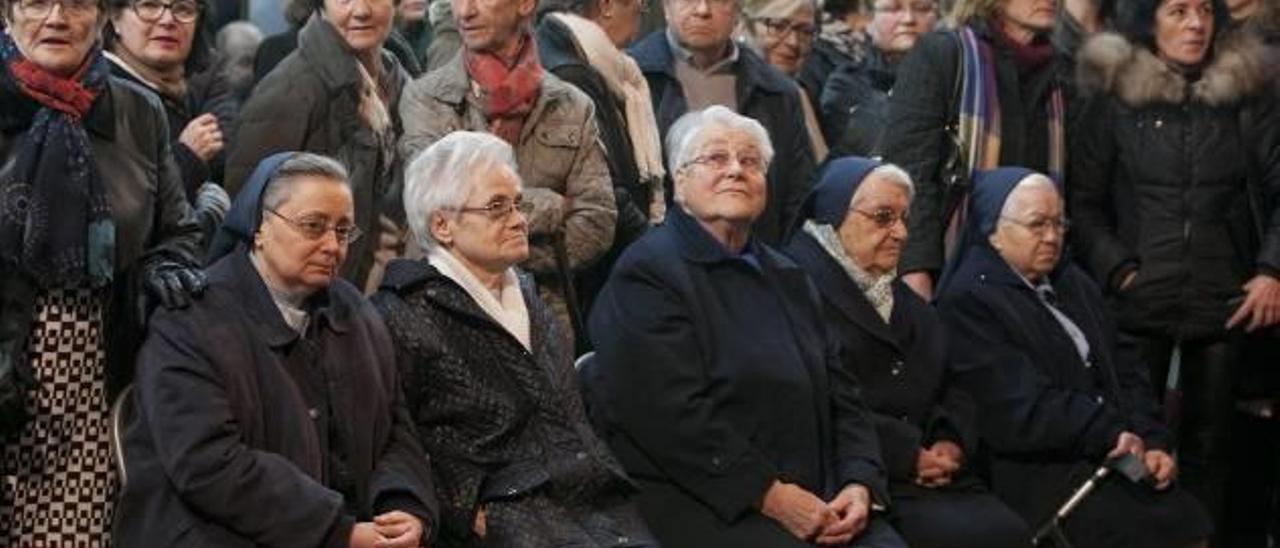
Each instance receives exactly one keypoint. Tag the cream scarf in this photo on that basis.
(625, 80)
(878, 289)
(506, 308)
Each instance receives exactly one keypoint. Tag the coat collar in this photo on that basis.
(328, 308)
(16, 114)
(1239, 67)
(838, 288)
(407, 276)
(654, 56)
(450, 84)
(556, 47)
(699, 246)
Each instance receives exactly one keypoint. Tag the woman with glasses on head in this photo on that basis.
(896, 346)
(782, 31)
(336, 95)
(715, 382)
(1057, 394)
(495, 397)
(269, 413)
(91, 213)
(163, 45)
(855, 101)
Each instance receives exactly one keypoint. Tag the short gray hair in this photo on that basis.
(1033, 180)
(688, 131)
(444, 174)
(892, 174)
(279, 187)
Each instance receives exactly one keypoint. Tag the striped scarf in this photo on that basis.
(979, 120)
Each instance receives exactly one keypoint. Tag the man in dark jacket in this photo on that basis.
(694, 64)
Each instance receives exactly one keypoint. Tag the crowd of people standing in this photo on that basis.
(550, 273)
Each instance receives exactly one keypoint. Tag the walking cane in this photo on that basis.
(1128, 465)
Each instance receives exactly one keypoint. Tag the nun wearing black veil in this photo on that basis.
(269, 412)
(1035, 348)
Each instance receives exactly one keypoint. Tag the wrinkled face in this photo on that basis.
(60, 39)
(897, 24)
(724, 181)
(412, 11)
(1034, 16)
(490, 25)
(786, 42)
(1184, 31)
(363, 24)
(620, 20)
(162, 44)
(702, 25)
(289, 257)
(875, 226)
(487, 232)
(1030, 234)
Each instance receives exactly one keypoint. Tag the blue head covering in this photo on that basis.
(828, 202)
(246, 211)
(991, 189)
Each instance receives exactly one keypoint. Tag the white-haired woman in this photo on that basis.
(713, 381)
(514, 459)
(894, 343)
(782, 31)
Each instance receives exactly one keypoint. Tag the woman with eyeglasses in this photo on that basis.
(715, 381)
(269, 413)
(336, 95)
(1058, 394)
(782, 32)
(91, 214)
(855, 100)
(496, 401)
(162, 46)
(894, 343)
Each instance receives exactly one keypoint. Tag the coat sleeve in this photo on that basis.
(260, 496)
(1093, 163)
(274, 120)
(857, 440)
(652, 376)
(915, 139)
(792, 166)
(423, 119)
(586, 212)
(1020, 411)
(1266, 118)
(176, 233)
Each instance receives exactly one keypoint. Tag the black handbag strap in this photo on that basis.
(955, 170)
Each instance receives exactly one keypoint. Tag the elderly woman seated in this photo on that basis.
(1035, 347)
(495, 396)
(715, 381)
(268, 413)
(894, 343)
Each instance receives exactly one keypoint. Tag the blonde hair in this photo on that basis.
(968, 11)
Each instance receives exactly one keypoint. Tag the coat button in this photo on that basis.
(715, 461)
(315, 413)
(895, 371)
(581, 455)
(512, 490)
(1101, 400)
(623, 540)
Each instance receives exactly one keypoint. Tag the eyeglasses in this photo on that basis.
(780, 28)
(719, 160)
(314, 228)
(39, 9)
(499, 209)
(1042, 226)
(895, 8)
(183, 11)
(717, 4)
(883, 217)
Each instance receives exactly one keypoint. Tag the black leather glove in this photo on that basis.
(174, 283)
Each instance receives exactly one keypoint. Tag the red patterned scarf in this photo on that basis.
(508, 90)
(66, 95)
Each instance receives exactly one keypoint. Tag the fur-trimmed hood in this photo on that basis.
(1241, 66)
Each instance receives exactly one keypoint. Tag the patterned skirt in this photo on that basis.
(57, 480)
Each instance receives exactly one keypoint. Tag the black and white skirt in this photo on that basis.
(58, 483)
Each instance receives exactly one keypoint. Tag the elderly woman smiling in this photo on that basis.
(269, 412)
(496, 402)
(894, 343)
(1037, 350)
(714, 382)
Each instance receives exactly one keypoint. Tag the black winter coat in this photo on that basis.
(715, 376)
(903, 366)
(764, 94)
(922, 105)
(505, 427)
(855, 103)
(1046, 416)
(1167, 180)
(128, 134)
(245, 434)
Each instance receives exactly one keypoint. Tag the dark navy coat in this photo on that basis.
(714, 377)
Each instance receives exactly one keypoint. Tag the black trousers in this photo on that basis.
(1204, 410)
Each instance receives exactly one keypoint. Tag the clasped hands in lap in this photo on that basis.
(808, 517)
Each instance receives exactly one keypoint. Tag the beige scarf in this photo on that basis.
(878, 289)
(625, 80)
